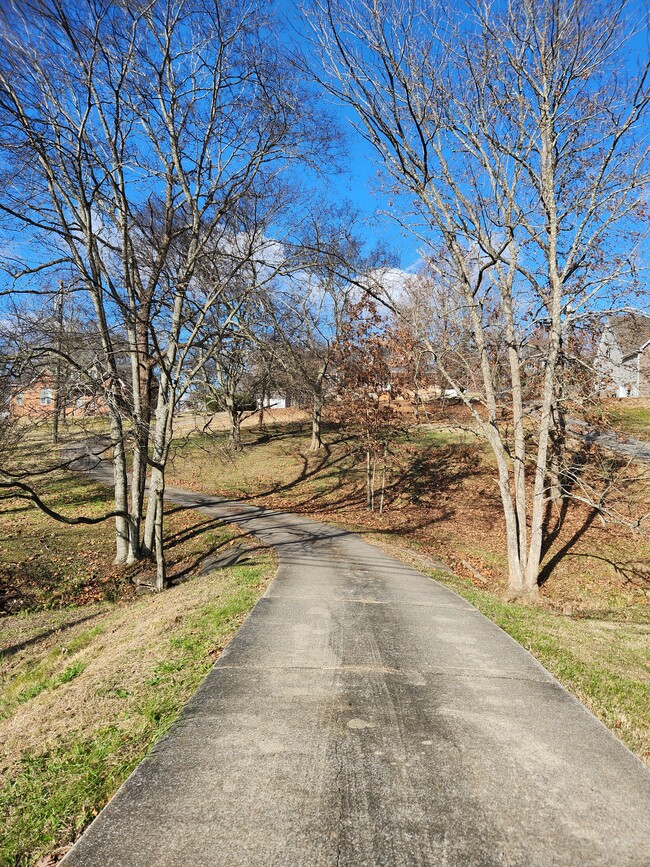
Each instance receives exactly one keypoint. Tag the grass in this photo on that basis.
(59, 791)
(591, 629)
(126, 682)
(47, 564)
(630, 416)
(442, 495)
(91, 674)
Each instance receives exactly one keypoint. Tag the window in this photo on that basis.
(46, 397)
(19, 399)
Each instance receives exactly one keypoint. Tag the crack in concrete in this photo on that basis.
(406, 672)
(391, 603)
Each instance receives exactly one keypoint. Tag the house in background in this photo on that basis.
(33, 396)
(623, 357)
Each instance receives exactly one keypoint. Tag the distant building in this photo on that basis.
(623, 356)
(34, 396)
(274, 401)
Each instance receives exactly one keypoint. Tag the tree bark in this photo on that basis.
(316, 422)
(234, 439)
(161, 440)
(368, 482)
(141, 379)
(122, 528)
(383, 482)
(161, 564)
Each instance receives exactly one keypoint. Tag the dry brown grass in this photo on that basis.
(443, 497)
(119, 647)
(86, 690)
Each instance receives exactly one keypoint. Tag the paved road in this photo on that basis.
(626, 446)
(366, 715)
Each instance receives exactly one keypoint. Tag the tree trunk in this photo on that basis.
(162, 436)
(316, 423)
(122, 528)
(558, 442)
(368, 482)
(141, 381)
(58, 403)
(515, 554)
(161, 565)
(519, 469)
(548, 156)
(234, 440)
(149, 538)
(56, 414)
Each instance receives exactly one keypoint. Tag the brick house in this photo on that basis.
(34, 397)
(623, 356)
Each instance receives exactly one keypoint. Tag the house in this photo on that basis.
(33, 396)
(623, 356)
(275, 401)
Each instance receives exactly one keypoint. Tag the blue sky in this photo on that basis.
(359, 182)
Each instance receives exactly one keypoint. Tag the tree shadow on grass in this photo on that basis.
(15, 648)
(188, 533)
(427, 473)
(554, 520)
(632, 571)
(548, 567)
(195, 559)
(14, 509)
(417, 477)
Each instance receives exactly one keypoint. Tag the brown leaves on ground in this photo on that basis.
(53, 857)
(442, 495)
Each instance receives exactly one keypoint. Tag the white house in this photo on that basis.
(623, 356)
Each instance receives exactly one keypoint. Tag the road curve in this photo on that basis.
(366, 715)
(628, 447)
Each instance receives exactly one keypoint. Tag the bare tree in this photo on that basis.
(307, 313)
(516, 136)
(133, 134)
(308, 307)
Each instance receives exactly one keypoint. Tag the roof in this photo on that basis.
(31, 378)
(631, 330)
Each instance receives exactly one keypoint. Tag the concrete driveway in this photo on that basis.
(626, 446)
(366, 715)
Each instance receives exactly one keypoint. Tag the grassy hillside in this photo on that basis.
(91, 674)
(629, 416)
(441, 495)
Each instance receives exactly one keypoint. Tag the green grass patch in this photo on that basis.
(34, 682)
(53, 793)
(58, 792)
(633, 420)
(83, 639)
